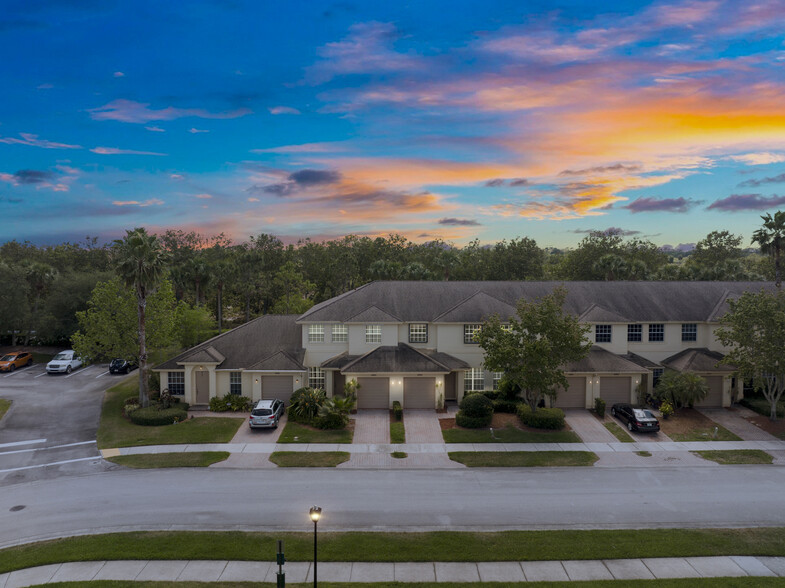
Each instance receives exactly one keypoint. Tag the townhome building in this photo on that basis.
(414, 342)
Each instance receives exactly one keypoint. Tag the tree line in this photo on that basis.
(232, 283)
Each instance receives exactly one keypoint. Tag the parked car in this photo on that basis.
(64, 362)
(266, 414)
(121, 366)
(15, 359)
(637, 419)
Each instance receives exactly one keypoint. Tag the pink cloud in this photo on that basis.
(138, 112)
(150, 202)
(283, 110)
(34, 141)
(115, 151)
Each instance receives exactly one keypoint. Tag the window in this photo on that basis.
(497, 378)
(373, 333)
(236, 383)
(635, 333)
(469, 331)
(657, 332)
(506, 327)
(602, 333)
(418, 333)
(689, 332)
(473, 380)
(176, 383)
(315, 333)
(656, 374)
(340, 333)
(316, 378)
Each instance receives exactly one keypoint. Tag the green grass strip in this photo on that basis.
(508, 435)
(397, 432)
(297, 433)
(522, 459)
(619, 433)
(115, 431)
(195, 459)
(706, 434)
(402, 547)
(5, 404)
(737, 456)
(309, 459)
(399, 454)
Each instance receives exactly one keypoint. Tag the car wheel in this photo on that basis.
(68, 370)
(29, 363)
(629, 427)
(12, 368)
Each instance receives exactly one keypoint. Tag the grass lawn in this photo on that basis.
(299, 433)
(5, 404)
(397, 432)
(522, 459)
(643, 453)
(687, 424)
(115, 431)
(508, 434)
(309, 459)
(618, 432)
(199, 459)
(399, 454)
(415, 547)
(736, 456)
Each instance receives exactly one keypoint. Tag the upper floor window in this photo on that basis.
(316, 378)
(315, 333)
(236, 383)
(506, 327)
(657, 332)
(602, 333)
(373, 333)
(497, 379)
(418, 333)
(176, 383)
(473, 380)
(469, 331)
(656, 374)
(340, 333)
(689, 332)
(635, 333)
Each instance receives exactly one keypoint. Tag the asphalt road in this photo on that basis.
(408, 500)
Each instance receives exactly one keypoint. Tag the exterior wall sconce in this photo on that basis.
(256, 381)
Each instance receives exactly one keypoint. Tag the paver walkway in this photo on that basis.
(371, 426)
(734, 421)
(527, 571)
(422, 426)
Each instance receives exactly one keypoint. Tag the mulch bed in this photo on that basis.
(776, 428)
(500, 420)
(684, 421)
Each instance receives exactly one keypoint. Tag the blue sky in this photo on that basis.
(452, 120)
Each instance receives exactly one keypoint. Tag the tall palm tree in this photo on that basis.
(771, 238)
(140, 261)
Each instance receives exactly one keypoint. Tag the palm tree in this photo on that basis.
(771, 238)
(140, 261)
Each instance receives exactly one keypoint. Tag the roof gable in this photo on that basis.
(478, 307)
(394, 358)
(278, 361)
(373, 314)
(697, 359)
(203, 355)
(600, 360)
(599, 314)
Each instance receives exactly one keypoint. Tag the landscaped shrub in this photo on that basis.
(218, 404)
(305, 403)
(331, 420)
(542, 418)
(507, 406)
(490, 394)
(508, 390)
(153, 417)
(599, 407)
(476, 411)
(397, 410)
(681, 388)
(763, 406)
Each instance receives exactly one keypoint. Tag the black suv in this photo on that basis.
(121, 366)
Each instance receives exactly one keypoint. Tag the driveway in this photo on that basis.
(587, 426)
(422, 426)
(734, 420)
(372, 426)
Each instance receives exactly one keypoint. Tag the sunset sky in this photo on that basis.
(455, 120)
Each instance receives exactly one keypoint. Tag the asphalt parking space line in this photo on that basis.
(39, 375)
(54, 463)
(28, 442)
(102, 374)
(20, 370)
(79, 371)
(45, 448)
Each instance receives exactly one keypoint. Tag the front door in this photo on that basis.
(202, 387)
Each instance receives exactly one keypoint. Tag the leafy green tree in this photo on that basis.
(717, 248)
(533, 348)
(754, 329)
(682, 388)
(140, 262)
(107, 327)
(39, 277)
(14, 313)
(295, 290)
(771, 239)
(67, 295)
(194, 325)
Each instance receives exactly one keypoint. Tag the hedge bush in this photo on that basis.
(476, 411)
(762, 406)
(329, 421)
(507, 406)
(230, 402)
(153, 417)
(599, 407)
(472, 422)
(397, 410)
(542, 418)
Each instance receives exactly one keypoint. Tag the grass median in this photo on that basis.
(4, 406)
(619, 433)
(523, 459)
(508, 435)
(195, 459)
(736, 456)
(402, 547)
(309, 459)
(114, 430)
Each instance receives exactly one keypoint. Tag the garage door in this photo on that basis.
(419, 392)
(575, 394)
(279, 387)
(615, 389)
(714, 398)
(373, 393)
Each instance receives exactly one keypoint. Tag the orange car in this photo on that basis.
(16, 359)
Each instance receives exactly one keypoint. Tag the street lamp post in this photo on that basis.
(316, 514)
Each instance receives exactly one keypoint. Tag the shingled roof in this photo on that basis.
(697, 359)
(602, 360)
(397, 358)
(271, 341)
(623, 301)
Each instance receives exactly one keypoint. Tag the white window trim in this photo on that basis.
(316, 333)
(316, 374)
(609, 333)
(419, 336)
(372, 332)
(648, 333)
(344, 333)
(474, 328)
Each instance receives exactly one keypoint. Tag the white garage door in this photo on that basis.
(373, 393)
(279, 387)
(419, 392)
(575, 394)
(714, 398)
(615, 389)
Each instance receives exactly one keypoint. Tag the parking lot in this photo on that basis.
(52, 424)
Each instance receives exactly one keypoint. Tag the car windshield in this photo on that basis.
(62, 355)
(7, 357)
(118, 361)
(262, 412)
(643, 414)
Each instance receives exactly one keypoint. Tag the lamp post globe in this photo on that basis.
(315, 513)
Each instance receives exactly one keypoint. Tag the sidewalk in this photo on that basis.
(527, 571)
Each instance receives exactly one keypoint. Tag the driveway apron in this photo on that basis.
(734, 421)
(422, 426)
(588, 427)
(372, 426)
